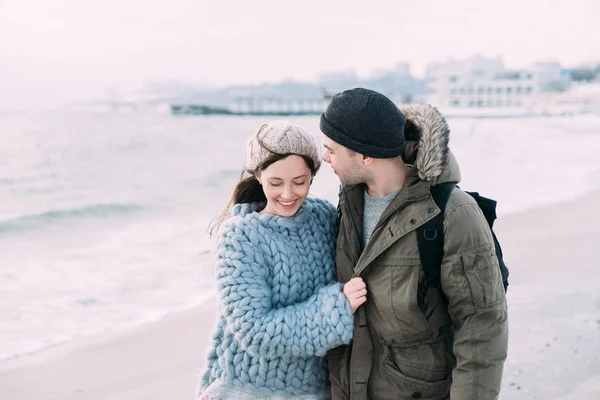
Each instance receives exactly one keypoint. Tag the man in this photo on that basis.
(411, 340)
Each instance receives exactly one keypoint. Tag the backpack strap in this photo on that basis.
(430, 238)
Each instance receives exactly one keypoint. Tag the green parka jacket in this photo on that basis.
(409, 344)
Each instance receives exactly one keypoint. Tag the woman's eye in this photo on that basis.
(275, 184)
(299, 183)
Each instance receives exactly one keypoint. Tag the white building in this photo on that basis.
(485, 83)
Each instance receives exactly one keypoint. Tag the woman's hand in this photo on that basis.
(355, 291)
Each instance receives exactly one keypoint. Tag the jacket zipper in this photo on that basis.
(381, 223)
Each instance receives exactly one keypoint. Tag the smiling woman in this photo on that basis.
(282, 160)
(281, 309)
(286, 175)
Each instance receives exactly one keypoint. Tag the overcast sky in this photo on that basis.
(52, 51)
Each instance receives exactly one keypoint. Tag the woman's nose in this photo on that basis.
(287, 192)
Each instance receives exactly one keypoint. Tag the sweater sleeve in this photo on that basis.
(324, 321)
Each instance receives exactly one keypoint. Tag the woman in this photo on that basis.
(280, 309)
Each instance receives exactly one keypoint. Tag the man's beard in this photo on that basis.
(354, 177)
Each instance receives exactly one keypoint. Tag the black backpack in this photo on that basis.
(430, 236)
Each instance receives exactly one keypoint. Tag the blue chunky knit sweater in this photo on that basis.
(280, 309)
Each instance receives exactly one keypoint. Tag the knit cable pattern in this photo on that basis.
(280, 308)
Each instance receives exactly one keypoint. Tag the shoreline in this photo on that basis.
(161, 357)
(81, 342)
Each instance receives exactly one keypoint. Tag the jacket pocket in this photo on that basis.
(426, 387)
(482, 271)
(392, 301)
(404, 295)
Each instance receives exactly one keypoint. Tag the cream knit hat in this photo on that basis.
(281, 137)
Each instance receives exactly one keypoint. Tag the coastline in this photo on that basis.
(156, 361)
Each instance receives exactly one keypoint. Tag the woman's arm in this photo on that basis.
(324, 321)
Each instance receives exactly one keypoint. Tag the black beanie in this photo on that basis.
(366, 122)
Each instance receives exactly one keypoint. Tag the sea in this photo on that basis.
(104, 215)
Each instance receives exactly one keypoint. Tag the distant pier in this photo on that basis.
(253, 106)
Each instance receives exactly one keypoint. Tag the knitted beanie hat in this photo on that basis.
(281, 137)
(366, 122)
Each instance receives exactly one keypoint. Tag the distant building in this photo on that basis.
(580, 98)
(397, 83)
(484, 82)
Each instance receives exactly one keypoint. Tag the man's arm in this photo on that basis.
(472, 282)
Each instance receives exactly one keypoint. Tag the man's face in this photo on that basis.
(346, 164)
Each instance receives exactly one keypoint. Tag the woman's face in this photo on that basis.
(286, 184)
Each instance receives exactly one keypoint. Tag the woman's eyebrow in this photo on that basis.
(280, 179)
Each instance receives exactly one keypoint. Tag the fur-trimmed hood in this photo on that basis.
(427, 137)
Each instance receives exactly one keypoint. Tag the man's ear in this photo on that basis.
(366, 160)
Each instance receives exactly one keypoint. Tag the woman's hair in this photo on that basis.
(249, 190)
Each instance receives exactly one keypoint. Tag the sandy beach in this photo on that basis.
(156, 361)
(554, 300)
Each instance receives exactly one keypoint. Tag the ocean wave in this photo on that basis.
(104, 324)
(32, 221)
